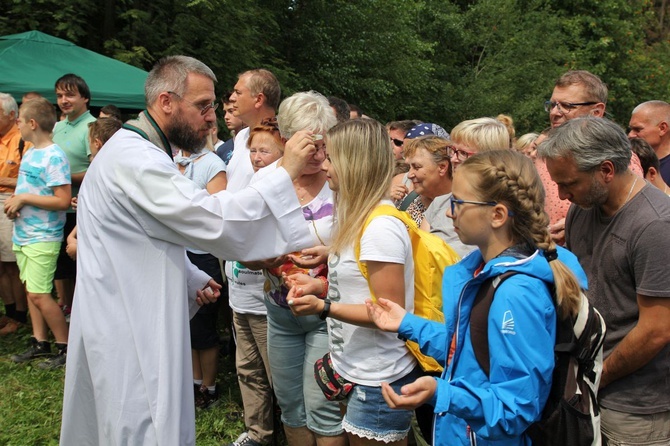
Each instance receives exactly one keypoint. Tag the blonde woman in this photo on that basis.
(477, 135)
(359, 168)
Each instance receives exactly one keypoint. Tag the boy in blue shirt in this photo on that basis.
(38, 208)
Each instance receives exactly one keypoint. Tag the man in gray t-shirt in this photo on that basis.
(618, 227)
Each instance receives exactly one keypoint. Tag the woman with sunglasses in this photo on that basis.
(498, 206)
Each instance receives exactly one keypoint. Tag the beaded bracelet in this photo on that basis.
(324, 293)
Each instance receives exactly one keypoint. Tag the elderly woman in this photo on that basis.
(431, 174)
(477, 135)
(247, 302)
(402, 188)
(265, 145)
(296, 343)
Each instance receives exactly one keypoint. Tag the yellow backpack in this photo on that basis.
(431, 256)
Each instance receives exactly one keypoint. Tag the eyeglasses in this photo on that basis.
(203, 109)
(455, 201)
(397, 142)
(460, 154)
(564, 107)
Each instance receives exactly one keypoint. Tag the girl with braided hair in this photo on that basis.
(498, 206)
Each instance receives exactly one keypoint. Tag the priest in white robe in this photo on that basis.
(128, 373)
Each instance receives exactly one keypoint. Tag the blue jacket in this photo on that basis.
(522, 331)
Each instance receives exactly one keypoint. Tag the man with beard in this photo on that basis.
(617, 226)
(128, 376)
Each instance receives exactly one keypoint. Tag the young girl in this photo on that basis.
(498, 206)
(359, 166)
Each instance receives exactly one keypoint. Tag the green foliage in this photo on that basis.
(435, 60)
(499, 58)
(604, 37)
(368, 53)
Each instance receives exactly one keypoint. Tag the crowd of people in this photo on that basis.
(163, 232)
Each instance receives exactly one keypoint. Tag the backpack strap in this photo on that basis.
(479, 327)
(383, 209)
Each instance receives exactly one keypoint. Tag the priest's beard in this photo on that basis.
(182, 135)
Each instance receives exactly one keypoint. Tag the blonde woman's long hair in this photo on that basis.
(360, 151)
(508, 177)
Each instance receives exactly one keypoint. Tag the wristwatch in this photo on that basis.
(326, 309)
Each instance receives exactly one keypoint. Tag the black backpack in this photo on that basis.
(571, 415)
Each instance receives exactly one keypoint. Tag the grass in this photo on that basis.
(31, 401)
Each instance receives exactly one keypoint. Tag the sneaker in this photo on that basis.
(206, 399)
(54, 362)
(244, 440)
(10, 327)
(36, 350)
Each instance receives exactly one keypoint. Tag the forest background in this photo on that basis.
(434, 60)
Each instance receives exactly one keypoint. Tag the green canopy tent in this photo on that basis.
(33, 61)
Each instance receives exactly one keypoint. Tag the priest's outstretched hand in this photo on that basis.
(297, 151)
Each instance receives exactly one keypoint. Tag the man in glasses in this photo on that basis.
(128, 372)
(255, 99)
(576, 94)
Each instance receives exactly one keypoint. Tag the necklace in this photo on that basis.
(631, 190)
(305, 191)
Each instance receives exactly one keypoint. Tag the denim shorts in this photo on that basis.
(368, 415)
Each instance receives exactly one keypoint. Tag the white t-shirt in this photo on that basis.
(369, 356)
(245, 287)
(240, 170)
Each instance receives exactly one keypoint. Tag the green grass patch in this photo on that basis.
(31, 401)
